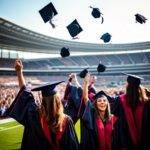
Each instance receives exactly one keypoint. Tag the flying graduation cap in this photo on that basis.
(83, 73)
(47, 13)
(47, 89)
(133, 79)
(139, 18)
(64, 52)
(74, 29)
(96, 13)
(101, 67)
(106, 37)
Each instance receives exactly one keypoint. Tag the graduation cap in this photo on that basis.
(83, 73)
(47, 13)
(96, 13)
(64, 52)
(139, 18)
(47, 89)
(74, 28)
(106, 37)
(101, 68)
(133, 79)
(99, 94)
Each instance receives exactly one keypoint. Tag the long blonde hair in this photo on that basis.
(52, 110)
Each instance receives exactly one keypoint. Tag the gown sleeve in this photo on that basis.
(23, 103)
(114, 104)
(73, 102)
(69, 139)
(88, 115)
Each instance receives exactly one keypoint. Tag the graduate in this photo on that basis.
(133, 111)
(100, 130)
(47, 127)
(73, 96)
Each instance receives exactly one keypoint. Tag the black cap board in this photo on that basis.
(47, 89)
(140, 18)
(47, 13)
(133, 79)
(99, 94)
(96, 13)
(64, 52)
(106, 37)
(74, 28)
(101, 68)
(83, 73)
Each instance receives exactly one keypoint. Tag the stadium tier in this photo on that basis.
(130, 57)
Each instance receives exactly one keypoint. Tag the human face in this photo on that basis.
(93, 79)
(102, 103)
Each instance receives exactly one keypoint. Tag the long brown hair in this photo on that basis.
(135, 94)
(107, 111)
(52, 109)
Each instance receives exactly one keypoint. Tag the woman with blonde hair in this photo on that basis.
(47, 127)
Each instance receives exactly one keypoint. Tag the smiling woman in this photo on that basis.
(100, 127)
(102, 107)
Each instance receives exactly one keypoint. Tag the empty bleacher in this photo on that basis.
(79, 61)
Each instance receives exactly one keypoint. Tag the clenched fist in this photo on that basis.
(18, 65)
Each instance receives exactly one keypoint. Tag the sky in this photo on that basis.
(119, 19)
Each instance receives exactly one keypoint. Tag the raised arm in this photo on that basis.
(85, 88)
(19, 70)
(73, 79)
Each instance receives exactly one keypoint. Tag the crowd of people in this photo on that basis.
(7, 95)
(9, 89)
(110, 119)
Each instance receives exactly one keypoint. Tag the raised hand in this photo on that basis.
(87, 78)
(18, 65)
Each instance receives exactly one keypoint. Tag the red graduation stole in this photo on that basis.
(46, 131)
(105, 132)
(91, 96)
(134, 125)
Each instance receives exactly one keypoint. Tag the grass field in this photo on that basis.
(11, 135)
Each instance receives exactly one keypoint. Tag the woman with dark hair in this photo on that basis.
(73, 96)
(47, 127)
(100, 128)
(133, 111)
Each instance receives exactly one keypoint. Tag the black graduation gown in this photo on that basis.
(89, 138)
(118, 110)
(73, 102)
(25, 111)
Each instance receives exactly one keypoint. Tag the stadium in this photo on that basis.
(132, 58)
